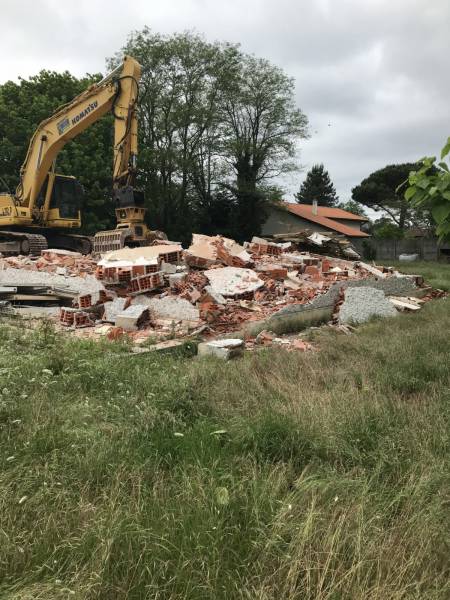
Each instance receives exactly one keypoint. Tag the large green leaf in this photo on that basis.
(423, 182)
(446, 148)
(441, 212)
(410, 192)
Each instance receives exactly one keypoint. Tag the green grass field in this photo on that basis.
(436, 274)
(321, 475)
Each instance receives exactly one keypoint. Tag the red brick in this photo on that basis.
(326, 265)
(313, 271)
(115, 333)
(273, 271)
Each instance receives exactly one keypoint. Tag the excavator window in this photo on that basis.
(67, 195)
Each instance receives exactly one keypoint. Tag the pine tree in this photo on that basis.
(317, 186)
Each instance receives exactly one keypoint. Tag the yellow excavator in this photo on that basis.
(47, 205)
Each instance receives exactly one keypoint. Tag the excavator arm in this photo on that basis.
(46, 203)
(118, 92)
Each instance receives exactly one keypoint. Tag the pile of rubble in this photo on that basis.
(333, 244)
(215, 288)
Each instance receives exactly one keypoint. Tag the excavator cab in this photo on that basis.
(60, 201)
(57, 208)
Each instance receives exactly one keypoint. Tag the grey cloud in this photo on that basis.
(375, 70)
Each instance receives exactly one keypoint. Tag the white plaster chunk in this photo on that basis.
(233, 281)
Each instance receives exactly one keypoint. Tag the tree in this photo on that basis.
(317, 186)
(380, 192)
(429, 186)
(215, 126)
(385, 229)
(23, 106)
(178, 125)
(260, 126)
(353, 207)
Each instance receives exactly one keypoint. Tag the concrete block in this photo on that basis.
(224, 349)
(131, 318)
(361, 304)
(113, 308)
(170, 307)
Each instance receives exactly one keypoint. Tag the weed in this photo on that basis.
(282, 475)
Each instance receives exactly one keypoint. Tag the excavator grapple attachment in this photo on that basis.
(114, 239)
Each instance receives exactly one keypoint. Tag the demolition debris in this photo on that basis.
(216, 289)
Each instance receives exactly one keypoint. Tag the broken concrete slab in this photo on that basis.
(37, 312)
(169, 307)
(212, 295)
(372, 270)
(361, 304)
(113, 308)
(53, 254)
(130, 318)
(168, 268)
(318, 239)
(202, 252)
(73, 286)
(232, 254)
(233, 281)
(159, 347)
(295, 317)
(224, 349)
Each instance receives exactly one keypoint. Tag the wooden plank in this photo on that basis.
(32, 298)
(402, 304)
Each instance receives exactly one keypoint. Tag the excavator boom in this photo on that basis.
(50, 202)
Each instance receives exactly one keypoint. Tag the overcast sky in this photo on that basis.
(373, 76)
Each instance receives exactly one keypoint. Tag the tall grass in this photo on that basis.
(436, 274)
(282, 475)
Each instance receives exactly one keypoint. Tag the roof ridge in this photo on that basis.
(325, 221)
(338, 209)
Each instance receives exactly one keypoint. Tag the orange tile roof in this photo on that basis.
(333, 213)
(305, 212)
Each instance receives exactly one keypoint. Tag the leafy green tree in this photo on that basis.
(215, 126)
(260, 125)
(317, 186)
(385, 229)
(178, 125)
(429, 186)
(23, 106)
(380, 192)
(353, 207)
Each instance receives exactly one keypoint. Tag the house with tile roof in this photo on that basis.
(289, 218)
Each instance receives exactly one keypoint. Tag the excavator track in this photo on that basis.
(13, 243)
(37, 243)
